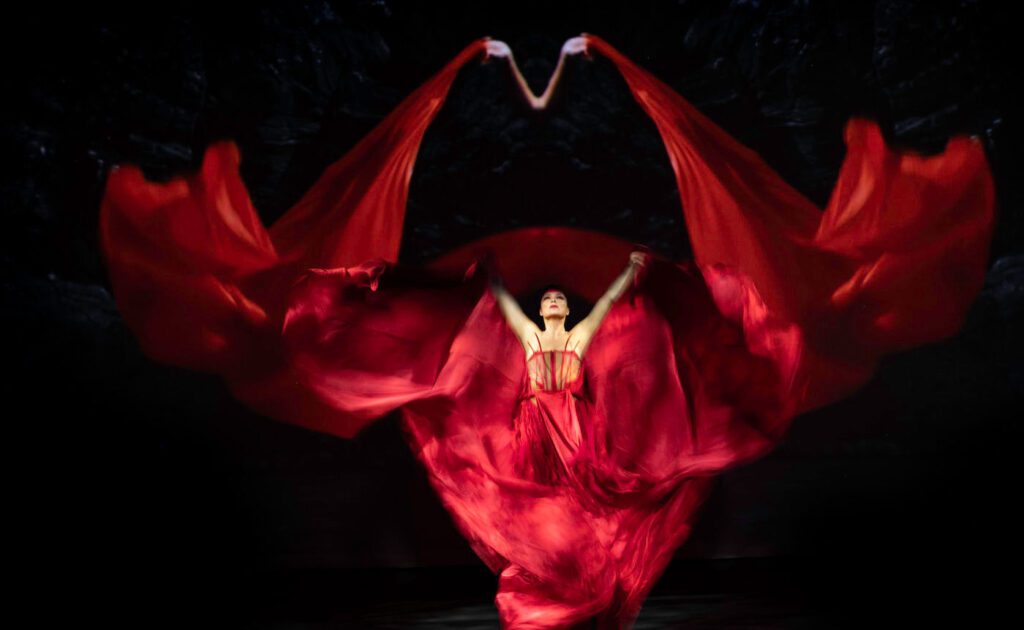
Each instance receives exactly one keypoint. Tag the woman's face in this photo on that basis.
(553, 303)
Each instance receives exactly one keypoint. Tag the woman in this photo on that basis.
(691, 369)
(548, 427)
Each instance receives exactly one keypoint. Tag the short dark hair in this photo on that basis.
(552, 287)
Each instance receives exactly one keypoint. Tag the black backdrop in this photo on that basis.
(157, 477)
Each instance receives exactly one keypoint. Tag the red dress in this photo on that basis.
(698, 367)
(548, 428)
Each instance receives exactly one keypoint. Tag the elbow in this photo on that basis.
(537, 104)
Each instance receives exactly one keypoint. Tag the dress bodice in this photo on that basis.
(555, 370)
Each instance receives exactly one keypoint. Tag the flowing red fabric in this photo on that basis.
(576, 491)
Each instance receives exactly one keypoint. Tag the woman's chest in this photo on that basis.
(552, 370)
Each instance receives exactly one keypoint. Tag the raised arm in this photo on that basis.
(523, 327)
(573, 46)
(585, 329)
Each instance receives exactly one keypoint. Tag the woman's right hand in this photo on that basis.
(638, 258)
(575, 46)
(487, 262)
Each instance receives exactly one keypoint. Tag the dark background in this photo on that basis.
(138, 482)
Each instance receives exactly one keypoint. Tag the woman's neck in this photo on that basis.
(554, 327)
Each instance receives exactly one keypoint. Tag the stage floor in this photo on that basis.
(724, 594)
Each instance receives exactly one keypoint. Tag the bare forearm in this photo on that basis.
(537, 102)
(509, 306)
(619, 285)
(611, 295)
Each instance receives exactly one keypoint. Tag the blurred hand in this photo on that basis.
(497, 48)
(488, 263)
(574, 46)
(638, 259)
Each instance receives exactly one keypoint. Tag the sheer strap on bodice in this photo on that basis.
(540, 346)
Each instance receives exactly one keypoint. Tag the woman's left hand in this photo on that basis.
(497, 48)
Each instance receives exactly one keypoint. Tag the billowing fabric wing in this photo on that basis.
(204, 285)
(685, 384)
(892, 262)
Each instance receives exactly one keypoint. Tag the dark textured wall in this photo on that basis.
(149, 469)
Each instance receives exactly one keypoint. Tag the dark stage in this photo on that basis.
(146, 496)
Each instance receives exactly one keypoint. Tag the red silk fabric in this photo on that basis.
(698, 367)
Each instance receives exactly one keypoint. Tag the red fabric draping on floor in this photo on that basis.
(700, 366)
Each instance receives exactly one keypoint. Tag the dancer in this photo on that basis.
(548, 429)
(697, 366)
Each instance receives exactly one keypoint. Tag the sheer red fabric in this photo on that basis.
(579, 491)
